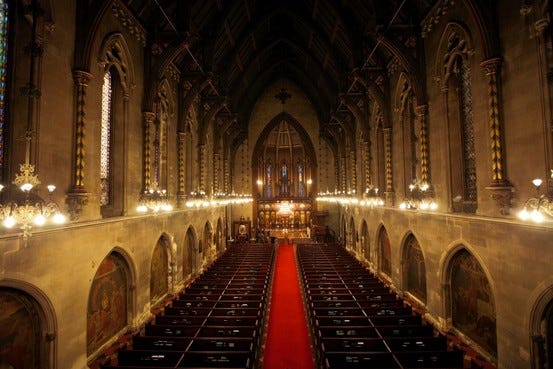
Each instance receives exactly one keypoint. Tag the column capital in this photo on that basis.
(82, 77)
(148, 116)
(491, 66)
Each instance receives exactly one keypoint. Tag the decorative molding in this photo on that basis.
(422, 113)
(148, 118)
(502, 197)
(76, 202)
(128, 21)
(173, 72)
(434, 16)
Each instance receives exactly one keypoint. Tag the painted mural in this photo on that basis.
(107, 302)
(159, 273)
(385, 253)
(415, 269)
(473, 308)
(19, 331)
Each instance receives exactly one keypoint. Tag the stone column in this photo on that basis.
(353, 170)
(201, 162)
(77, 198)
(181, 192)
(148, 118)
(216, 172)
(343, 174)
(501, 189)
(422, 115)
(389, 174)
(367, 163)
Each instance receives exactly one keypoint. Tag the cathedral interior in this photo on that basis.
(146, 145)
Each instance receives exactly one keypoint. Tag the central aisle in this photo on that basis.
(288, 344)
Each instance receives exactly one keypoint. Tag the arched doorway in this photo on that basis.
(219, 243)
(541, 331)
(352, 239)
(207, 241)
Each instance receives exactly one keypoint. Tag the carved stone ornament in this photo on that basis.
(76, 202)
(502, 195)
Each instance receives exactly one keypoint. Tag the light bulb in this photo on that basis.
(537, 182)
(141, 208)
(9, 222)
(26, 187)
(59, 218)
(536, 216)
(39, 220)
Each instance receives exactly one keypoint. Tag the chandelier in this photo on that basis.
(199, 199)
(371, 198)
(420, 197)
(27, 208)
(155, 200)
(539, 208)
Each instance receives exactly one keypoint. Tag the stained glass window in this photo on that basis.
(3, 71)
(105, 161)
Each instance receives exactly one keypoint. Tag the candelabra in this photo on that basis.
(27, 208)
(540, 207)
(155, 200)
(372, 198)
(420, 196)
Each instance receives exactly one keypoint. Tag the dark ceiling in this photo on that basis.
(245, 45)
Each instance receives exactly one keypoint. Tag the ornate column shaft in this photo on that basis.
(181, 165)
(492, 69)
(422, 115)
(201, 161)
(216, 171)
(226, 175)
(353, 162)
(148, 118)
(77, 198)
(500, 186)
(343, 173)
(367, 163)
(389, 173)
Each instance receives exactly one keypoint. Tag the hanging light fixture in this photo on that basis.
(26, 209)
(419, 197)
(539, 208)
(155, 200)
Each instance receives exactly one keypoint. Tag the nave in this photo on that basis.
(354, 319)
(220, 320)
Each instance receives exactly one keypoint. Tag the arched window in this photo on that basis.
(105, 151)
(117, 79)
(406, 125)
(3, 75)
(415, 269)
(455, 72)
(472, 302)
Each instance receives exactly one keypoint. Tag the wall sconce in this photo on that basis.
(420, 197)
(539, 208)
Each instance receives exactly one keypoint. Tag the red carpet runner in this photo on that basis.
(287, 345)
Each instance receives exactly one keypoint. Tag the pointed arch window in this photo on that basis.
(105, 151)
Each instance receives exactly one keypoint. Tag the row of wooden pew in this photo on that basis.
(358, 322)
(214, 323)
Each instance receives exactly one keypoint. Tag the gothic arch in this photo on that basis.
(365, 241)
(219, 236)
(540, 324)
(453, 70)
(111, 301)
(404, 107)
(352, 235)
(384, 250)
(469, 298)
(115, 52)
(40, 308)
(413, 268)
(190, 263)
(161, 270)
(207, 240)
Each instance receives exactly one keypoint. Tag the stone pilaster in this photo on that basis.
(181, 194)
(389, 173)
(422, 115)
(501, 189)
(77, 198)
(148, 118)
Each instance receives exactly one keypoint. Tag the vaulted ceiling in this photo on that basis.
(245, 45)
